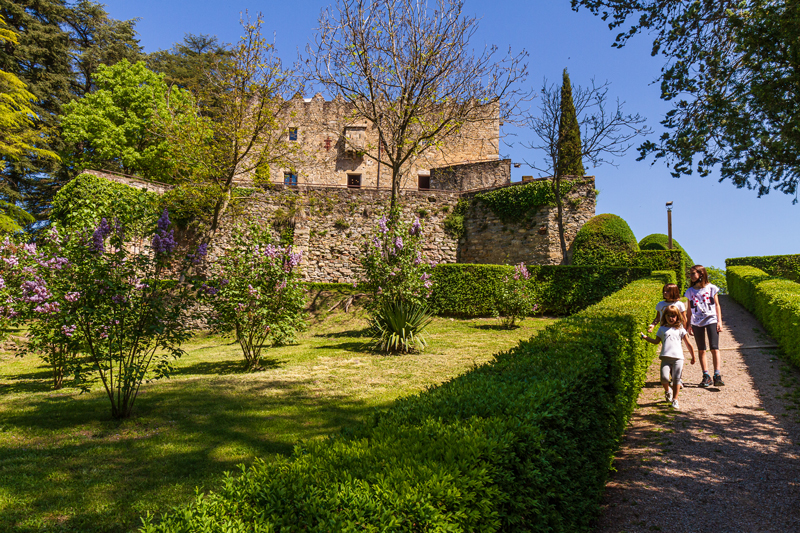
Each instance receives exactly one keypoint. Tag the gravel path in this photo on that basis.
(728, 461)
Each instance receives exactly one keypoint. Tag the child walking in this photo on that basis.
(706, 319)
(672, 296)
(670, 335)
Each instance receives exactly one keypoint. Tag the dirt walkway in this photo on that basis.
(729, 461)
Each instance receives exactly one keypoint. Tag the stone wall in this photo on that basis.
(131, 181)
(471, 176)
(331, 224)
(488, 241)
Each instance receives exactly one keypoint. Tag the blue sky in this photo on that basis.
(711, 220)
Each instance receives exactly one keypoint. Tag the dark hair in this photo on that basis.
(701, 271)
(672, 311)
(672, 292)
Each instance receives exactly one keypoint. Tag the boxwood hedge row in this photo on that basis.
(785, 266)
(522, 443)
(774, 301)
(470, 290)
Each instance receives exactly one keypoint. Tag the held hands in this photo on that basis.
(650, 329)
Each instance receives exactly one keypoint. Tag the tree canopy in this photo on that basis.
(114, 126)
(732, 71)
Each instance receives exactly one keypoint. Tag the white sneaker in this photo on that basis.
(676, 405)
(668, 394)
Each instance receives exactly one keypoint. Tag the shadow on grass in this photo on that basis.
(88, 472)
(355, 346)
(494, 327)
(349, 334)
(29, 382)
(224, 368)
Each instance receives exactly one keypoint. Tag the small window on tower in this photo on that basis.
(354, 181)
(289, 178)
(292, 134)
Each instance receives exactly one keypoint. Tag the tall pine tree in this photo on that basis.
(570, 151)
(569, 158)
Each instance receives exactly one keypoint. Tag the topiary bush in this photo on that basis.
(659, 241)
(604, 240)
(785, 266)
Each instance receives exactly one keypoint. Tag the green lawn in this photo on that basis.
(65, 465)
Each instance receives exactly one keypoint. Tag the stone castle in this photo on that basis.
(334, 196)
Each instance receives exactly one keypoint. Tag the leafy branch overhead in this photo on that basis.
(731, 73)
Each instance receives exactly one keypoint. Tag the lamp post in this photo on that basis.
(669, 225)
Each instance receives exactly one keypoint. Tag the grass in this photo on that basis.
(65, 465)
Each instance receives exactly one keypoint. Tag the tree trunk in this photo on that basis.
(560, 220)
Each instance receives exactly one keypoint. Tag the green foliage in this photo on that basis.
(473, 290)
(190, 203)
(454, 221)
(523, 443)
(785, 266)
(569, 148)
(604, 240)
(515, 297)
(13, 218)
(87, 199)
(400, 327)
(718, 277)
(773, 300)
(519, 203)
(662, 260)
(186, 63)
(730, 72)
(659, 241)
(115, 125)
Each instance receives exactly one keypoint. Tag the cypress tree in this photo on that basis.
(570, 161)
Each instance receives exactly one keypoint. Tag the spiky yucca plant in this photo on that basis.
(398, 327)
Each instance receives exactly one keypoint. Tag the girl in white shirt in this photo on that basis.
(670, 335)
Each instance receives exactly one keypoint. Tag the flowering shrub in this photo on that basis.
(397, 275)
(117, 306)
(256, 294)
(394, 265)
(515, 297)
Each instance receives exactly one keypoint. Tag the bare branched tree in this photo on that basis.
(237, 127)
(406, 67)
(606, 133)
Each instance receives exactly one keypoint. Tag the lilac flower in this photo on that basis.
(224, 282)
(35, 291)
(292, 260)
(119, 299)
(48, 308)
(208, 289)
(68, 330)
(280, 286)
(163, 221)
(251, 291)
(271, 251)
(415, 228)
(376, 242)
(398, 243)
(2, 283)
(163, 240)
(521, 272)
(201, 252)
(11, 261)
(99, 237)
(30, 249)
(382, 225)
(72, 296)
(418, 259)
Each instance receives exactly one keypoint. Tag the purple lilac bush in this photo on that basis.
(256, 294)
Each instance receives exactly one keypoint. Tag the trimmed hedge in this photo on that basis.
(522, 443)
(663, 260)
(604, 240)
(773, 300)
(659, 241)
(785, 266)
(469, 290)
